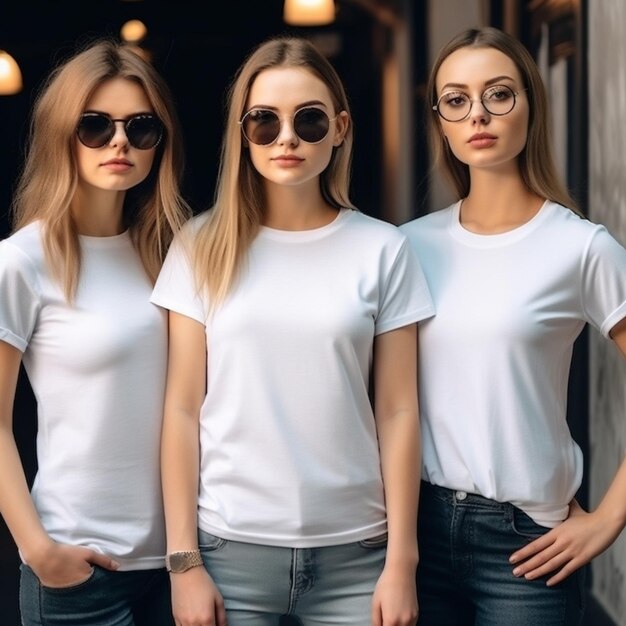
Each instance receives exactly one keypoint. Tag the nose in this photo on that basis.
(119, 136)
(287, 134)
(478, 112)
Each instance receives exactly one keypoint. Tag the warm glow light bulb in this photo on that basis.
(133, 31)
(309, 12)
(5, 67)
(10, 75)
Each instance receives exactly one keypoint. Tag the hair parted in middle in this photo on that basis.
(153, 210)
(536, 161)
(221, 244)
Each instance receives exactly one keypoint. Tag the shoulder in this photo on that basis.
(571, 227)
(375, 228)
(22, 264)
(194, 224)
(27, 236)
(23, 246)
(564, 217)
(187, 235)
(376, 242)
(435, 221)
(199, 219)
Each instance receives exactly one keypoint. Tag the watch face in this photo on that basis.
(178, 562)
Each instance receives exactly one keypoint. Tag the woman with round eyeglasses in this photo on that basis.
(95, 209)
(515, 273)
(286, 306)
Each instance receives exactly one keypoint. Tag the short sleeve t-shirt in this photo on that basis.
(97, 368)
(289, 453)
(495, 361)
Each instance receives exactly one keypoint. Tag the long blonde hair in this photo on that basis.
(536, 161)
(153, 210)
(223, 240)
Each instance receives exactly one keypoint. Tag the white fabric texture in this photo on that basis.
(494, 362)
(289, 453)
(97, 369)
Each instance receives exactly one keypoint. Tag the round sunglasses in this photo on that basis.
(262, 126)
(144, 131)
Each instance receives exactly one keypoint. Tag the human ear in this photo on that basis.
(342, 123)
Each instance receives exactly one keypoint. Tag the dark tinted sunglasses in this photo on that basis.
(262, 126)
(144, 131)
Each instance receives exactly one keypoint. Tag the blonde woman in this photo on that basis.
(285, 303)
(96, 207)
(515, 273)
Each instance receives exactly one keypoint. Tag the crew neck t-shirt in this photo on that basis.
(495, 361)
(289, 453)
(97, 368)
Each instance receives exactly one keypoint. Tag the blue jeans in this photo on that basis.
(464, 577)
(136, 598)
(317, 586)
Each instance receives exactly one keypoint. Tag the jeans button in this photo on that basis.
(460, 495)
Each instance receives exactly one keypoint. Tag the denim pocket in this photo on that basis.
(524, 526)
(208, 542)
(79, 584)
(372, 543)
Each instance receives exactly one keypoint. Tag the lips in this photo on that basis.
(117, 162)
(287, 161)
(118, 166)
(479, 136)
(287, 157)
(482, 140)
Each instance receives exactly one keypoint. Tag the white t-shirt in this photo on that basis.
(289, 453)
(97, 369)
(494, 362)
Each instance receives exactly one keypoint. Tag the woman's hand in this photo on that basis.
(196, 601)
(395, 598)
(569, 546)
(60, 565)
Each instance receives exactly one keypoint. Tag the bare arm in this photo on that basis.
(582, 536)
(195, 599)
(396, 411)
(56, 565)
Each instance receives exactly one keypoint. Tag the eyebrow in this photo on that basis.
(107, 114)
(491, 81)
(301, 105)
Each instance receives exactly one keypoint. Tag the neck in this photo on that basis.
(98, 213)
(292, 208)
(498, 202)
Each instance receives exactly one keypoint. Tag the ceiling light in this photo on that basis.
(10, 75)
(309, 12)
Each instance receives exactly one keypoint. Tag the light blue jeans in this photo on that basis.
(464, 574)
(137, 598)
(316, 586)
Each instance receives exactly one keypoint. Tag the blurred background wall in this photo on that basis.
(607, 202)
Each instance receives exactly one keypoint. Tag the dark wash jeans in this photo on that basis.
(135, 598)
(464, 577)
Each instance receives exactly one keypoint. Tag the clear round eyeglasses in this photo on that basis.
(455, 106)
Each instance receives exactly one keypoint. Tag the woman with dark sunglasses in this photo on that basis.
(96, 207)
(515, 273)
(284, 303)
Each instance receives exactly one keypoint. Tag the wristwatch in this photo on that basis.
(179, 562)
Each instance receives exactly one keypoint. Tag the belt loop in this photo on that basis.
(509, 512)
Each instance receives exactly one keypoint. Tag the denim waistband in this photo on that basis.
(463, 498)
